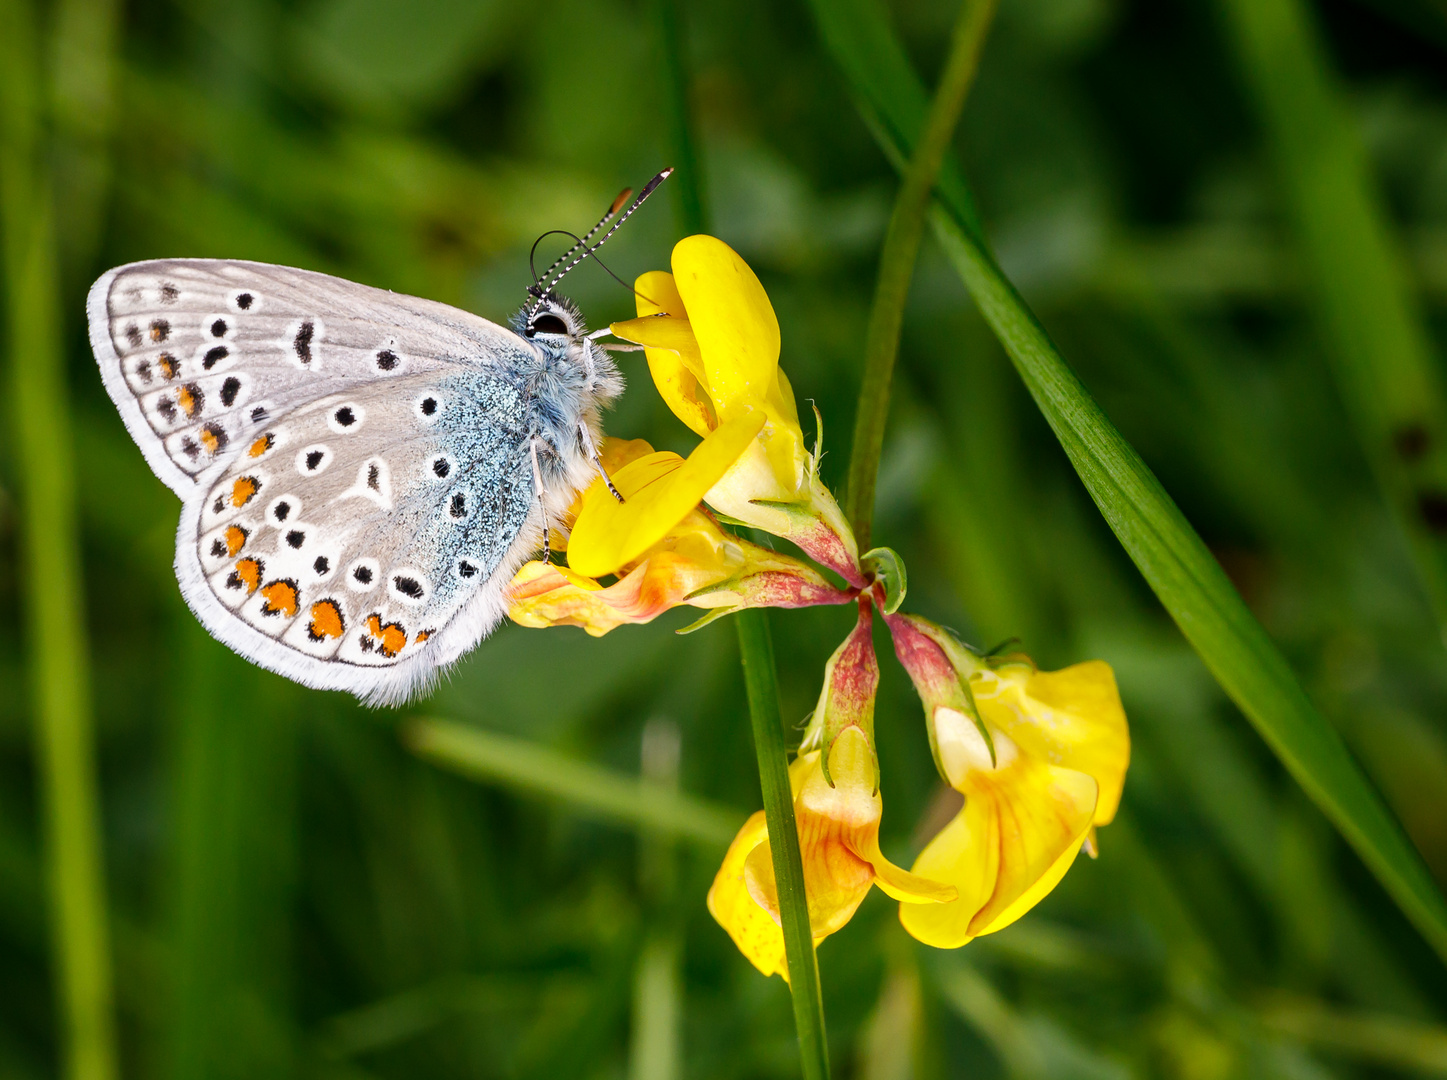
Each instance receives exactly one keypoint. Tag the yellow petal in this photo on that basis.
(659, 491)
(1021, 828)
(732, 319)
(656, 293)
(904, 886)
(965, 853)
(613, 454)
(675, 364)
(1071, 717)
(753, 930)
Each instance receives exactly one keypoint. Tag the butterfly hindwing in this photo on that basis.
(365, 538)
(199, 353)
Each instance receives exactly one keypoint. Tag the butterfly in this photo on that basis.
(361, 472)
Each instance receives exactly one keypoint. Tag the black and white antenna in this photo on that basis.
(571, 258)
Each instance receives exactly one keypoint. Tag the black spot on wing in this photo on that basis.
(303, 341)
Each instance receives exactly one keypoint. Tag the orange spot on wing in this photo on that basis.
(210, 440)
(261, 445)
(244, 490)
(246, 574)
(281, 598)
(326, 620)
(390, 637)
(235, 537)
(189, 398)
(422, 635)
(169, 365)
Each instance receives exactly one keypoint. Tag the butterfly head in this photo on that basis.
(558, 333)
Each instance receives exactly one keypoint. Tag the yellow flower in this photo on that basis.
(837, 811)
(712, 343)
(695, 562)
(1040, 758)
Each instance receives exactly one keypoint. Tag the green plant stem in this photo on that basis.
(761, 679)
(897, 259)
(1371, 322)
(58, 654)
(526, 766)
(1168, 552)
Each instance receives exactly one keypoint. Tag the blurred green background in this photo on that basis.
(292, 892)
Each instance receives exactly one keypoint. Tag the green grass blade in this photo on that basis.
(538, 770)
(897, 259)
(57, 649)
(1168, 552)
(1368, 312)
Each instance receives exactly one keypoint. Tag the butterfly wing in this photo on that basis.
(198, 353)
(354, 464)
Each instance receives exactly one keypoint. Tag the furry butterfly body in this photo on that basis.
(361, 473)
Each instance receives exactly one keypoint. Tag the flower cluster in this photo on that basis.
(1039, 757)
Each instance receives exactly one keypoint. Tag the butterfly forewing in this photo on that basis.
(199, 353)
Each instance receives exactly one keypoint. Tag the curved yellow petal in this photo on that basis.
(1035, 893)
(965, 853)
(1072, 717)
(753, 930)
(655, 293)
(659, 490)
(613, 454)
(675, 364)
(737, 331)
(1021, 827)
(904, 886)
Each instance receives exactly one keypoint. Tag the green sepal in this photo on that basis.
(727, 520)
(710, 616)
(886, 567)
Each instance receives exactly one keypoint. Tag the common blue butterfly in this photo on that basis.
(361, 472)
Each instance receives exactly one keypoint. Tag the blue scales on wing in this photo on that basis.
(357, 526)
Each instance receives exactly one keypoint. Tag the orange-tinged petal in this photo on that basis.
(546, 595)
(737, 331)
(752, 928)
(659, 491)
(1072, 717)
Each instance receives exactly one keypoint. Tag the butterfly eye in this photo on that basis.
(548, 324)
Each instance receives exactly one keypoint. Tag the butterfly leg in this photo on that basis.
(586, 437)
(540, 492)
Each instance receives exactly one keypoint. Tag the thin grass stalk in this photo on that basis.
(1372, 323)
(1165, 548)
(897, 259)
(687, 183)
(762, 682)
(57, 650)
